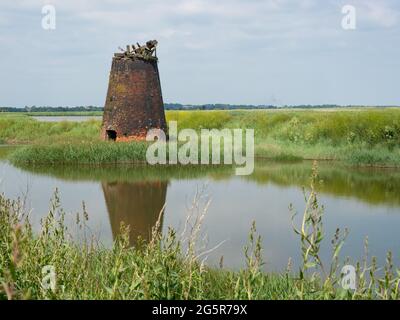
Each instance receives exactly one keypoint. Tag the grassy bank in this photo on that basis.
(22, 129)
(366, 137)
(83, 153)
(170, 266)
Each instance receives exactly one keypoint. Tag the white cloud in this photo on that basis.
(190, 7)
(380, 13)
(376, 13)
(196, 37)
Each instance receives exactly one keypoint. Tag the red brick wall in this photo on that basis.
(134, 101)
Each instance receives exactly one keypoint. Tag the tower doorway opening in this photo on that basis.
(111, 135)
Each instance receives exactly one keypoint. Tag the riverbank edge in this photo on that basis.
(98, 153)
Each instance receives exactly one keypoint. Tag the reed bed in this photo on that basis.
(358, 137)
(171, 265)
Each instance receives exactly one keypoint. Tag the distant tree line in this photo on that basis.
(178, 106)
(219, 106)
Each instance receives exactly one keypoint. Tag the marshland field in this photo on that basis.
(324, 193)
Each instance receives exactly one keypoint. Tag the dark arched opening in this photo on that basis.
(111, 135)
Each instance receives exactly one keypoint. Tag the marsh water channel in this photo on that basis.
(364, 200)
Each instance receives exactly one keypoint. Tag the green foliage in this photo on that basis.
(169, 266)
(323, 283)
(20, 129)
(338, 127)
(373, 156)
(371, 126)
(200, 119)
(159, 269)
(360, 137)
(90, 153)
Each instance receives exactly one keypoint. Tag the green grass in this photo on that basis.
(83, 153)
(359, 137)
(169, 266)
(22, 129)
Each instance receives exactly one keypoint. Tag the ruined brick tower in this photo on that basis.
(134, 101)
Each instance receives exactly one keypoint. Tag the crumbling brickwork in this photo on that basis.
(134, 101)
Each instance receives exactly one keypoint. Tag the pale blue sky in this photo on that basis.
(225, 51)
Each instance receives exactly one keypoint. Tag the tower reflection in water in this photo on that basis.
(137, 204)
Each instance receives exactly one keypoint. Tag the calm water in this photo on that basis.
(66, 118)
(366, 201)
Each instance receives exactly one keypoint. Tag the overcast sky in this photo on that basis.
(226, 51)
